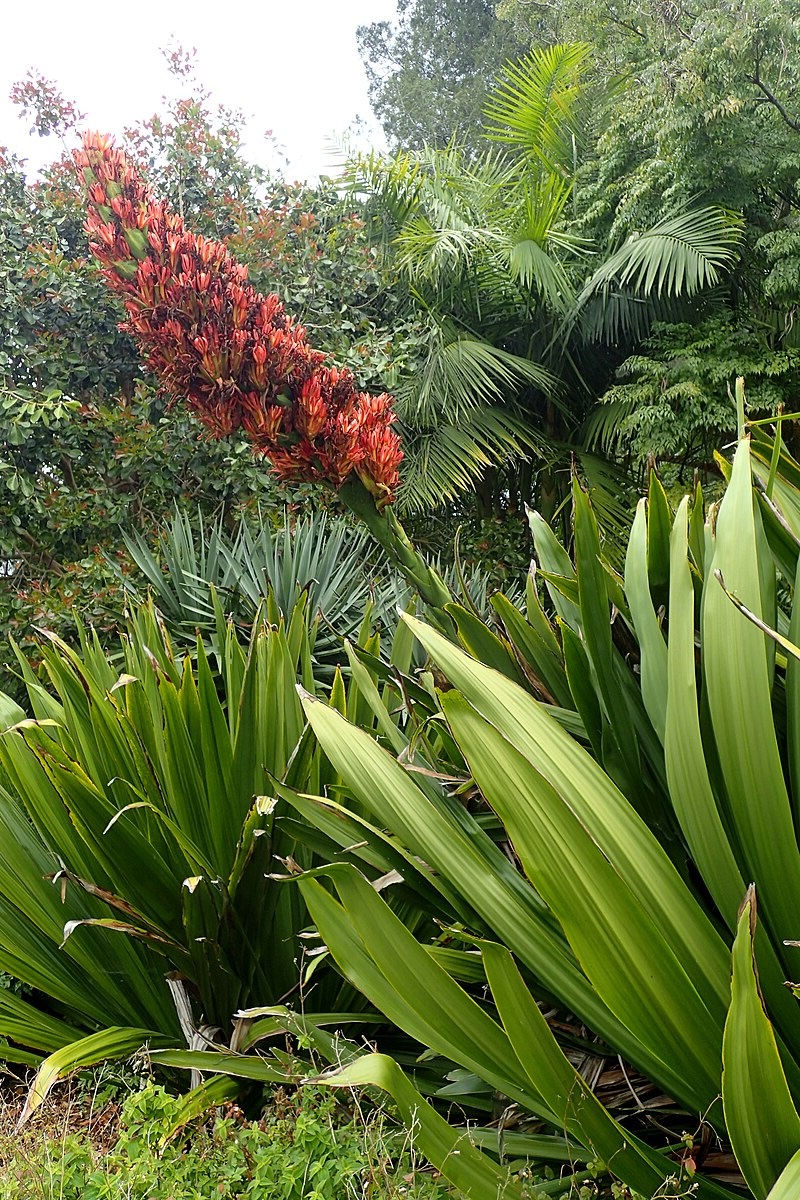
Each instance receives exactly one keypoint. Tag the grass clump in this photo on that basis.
(304, 1148)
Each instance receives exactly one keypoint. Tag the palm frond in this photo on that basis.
(604, 427)
(679, 256)
(444, 461)
(392, 177)
(450, 220)
(429, 252)
(533, 107)
(614, 315)
(535, 269)
(464, 373)
(643, 280)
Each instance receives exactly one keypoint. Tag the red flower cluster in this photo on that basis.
(231, 353)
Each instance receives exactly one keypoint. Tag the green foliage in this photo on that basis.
(323, 559)
(673, 400)
(72, 473)
(429, 72)
(707, 111)
(525, 314)
(304, 1148)
(617, 771)
(192, 154)
(140, 837)
(87, 447)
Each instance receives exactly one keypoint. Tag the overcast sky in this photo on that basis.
(293, 67)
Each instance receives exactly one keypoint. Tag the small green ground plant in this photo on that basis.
(305, 1147)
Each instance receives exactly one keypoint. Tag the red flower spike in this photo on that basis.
(232, 354)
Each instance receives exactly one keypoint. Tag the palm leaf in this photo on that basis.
(462, 373)
(444, 461)
(533, 107)
(679, 256)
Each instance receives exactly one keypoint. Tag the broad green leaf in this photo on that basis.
(690, 787)
(737, 674)
(554, 560)
(582, 687)
(609, 930)
(760, 1115)
(445, 835)
(10, 712)
(379, 955)
(595, 628)
(659, 525)
(479, 641)
(787, 1186)
(240, 1066)
(372, 697)
(538, 649)
(598, 805)
(793, 701)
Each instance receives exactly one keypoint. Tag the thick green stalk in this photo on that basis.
(390, 535)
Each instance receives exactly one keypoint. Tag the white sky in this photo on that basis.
(292, 65)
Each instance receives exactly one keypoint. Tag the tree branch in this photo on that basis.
(41, 551)
(774, 101)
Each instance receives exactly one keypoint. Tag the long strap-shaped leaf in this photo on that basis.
(690, 787)
(452, 842)
(595, 627)
(108, 1044)
(448, 1148)
(787, 1186)
(762, 1121)
(612, 935)
(651, 640)
(378, 954)
(737, 675)
(687, 774)
(373, 947)
(599, 805)
(566, 1091)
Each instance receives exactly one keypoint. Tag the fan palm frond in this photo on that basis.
(444, 461)
(427, 252)
(464, 373)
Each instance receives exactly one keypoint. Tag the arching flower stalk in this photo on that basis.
(237, 360)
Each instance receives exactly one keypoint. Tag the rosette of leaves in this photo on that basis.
(637, 756)
(326, 561)
(140, 832)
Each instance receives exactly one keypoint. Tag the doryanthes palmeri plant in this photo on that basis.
(645, 778)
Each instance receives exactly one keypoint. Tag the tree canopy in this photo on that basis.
(429, 71)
